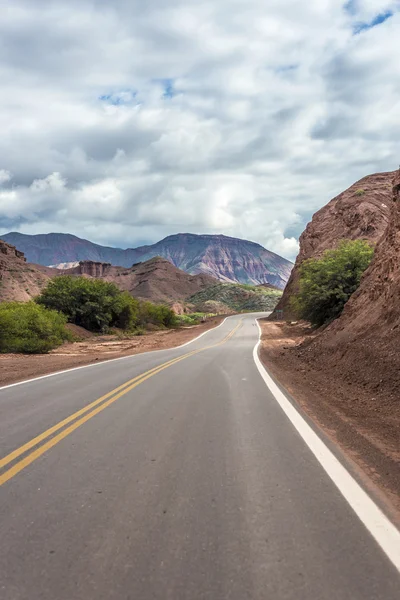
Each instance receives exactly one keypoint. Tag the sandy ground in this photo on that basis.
(18, 367)
(347, 413)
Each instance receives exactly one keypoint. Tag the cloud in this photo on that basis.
(124, 122)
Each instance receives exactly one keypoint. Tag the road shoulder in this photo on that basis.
(20, 367)
(340, 410)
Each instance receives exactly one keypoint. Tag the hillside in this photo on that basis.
(225, 258)
(360, 212)
(364, 343)
(19, 280)
(227, 297)
(156, 279)
(222, 257)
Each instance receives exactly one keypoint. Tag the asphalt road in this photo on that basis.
(189, 483)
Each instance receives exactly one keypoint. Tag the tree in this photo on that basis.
(27, 327)
(156, 314)
(91, 303)
(327, 283)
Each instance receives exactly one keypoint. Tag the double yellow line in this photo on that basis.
(83, 415)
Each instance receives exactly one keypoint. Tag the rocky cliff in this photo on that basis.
(361, 212)
(225, 258)
(90, 268)
(362, 346)
(19, 280)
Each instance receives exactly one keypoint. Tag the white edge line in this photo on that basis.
(378, 525)
(102, 362)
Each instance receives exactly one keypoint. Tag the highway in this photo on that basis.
(177, 475)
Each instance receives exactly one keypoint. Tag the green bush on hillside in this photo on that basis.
(156, 314)
(327, 283)
(97, 305)
(93, 304)
(29, 328)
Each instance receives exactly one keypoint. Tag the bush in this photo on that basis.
(27, 327)
(327, 283)
(156, 314)
(91, 303)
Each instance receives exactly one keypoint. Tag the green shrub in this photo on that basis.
(327, 283)
(94, 304)
(360, 192)
(156, 314)
(27, 327)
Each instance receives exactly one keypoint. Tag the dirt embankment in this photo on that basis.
(360, 420)
(18, 367)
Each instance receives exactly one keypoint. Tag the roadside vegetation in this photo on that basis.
(101, 307)
(93, 304)
(30, 328)
(96, 305)
(193, 318)
(327, 283)
(235, 297)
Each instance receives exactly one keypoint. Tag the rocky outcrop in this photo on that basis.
(361, 212)
(225, 258)
(90, 268)
(19, 280)
(376, 303)
(362, 346)
(11, 251)
(158, 280)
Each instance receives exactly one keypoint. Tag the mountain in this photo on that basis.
(225, 258)
(155, 279)
(360, 212)
(19, 280)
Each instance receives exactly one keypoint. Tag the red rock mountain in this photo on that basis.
(19, 280)
(361, 212)
(156, 279)
(225, 258)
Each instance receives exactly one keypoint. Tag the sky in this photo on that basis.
(123, 122)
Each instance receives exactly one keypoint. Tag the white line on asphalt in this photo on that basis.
(102, 362)
(379, 526)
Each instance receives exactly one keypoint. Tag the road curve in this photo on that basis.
(173, 475)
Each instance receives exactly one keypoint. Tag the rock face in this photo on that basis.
(11, 251)
(377, 301)
(361, 212)
(156, 279)
(19, 280)
(363, 345)
(225, 258)
(91, 268)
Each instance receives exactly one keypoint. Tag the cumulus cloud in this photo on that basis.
(124, 122)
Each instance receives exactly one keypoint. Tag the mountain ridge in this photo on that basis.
(222, 257)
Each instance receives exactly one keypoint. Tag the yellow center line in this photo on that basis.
(91, 410)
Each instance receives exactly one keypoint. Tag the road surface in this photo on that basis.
(187, 483)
